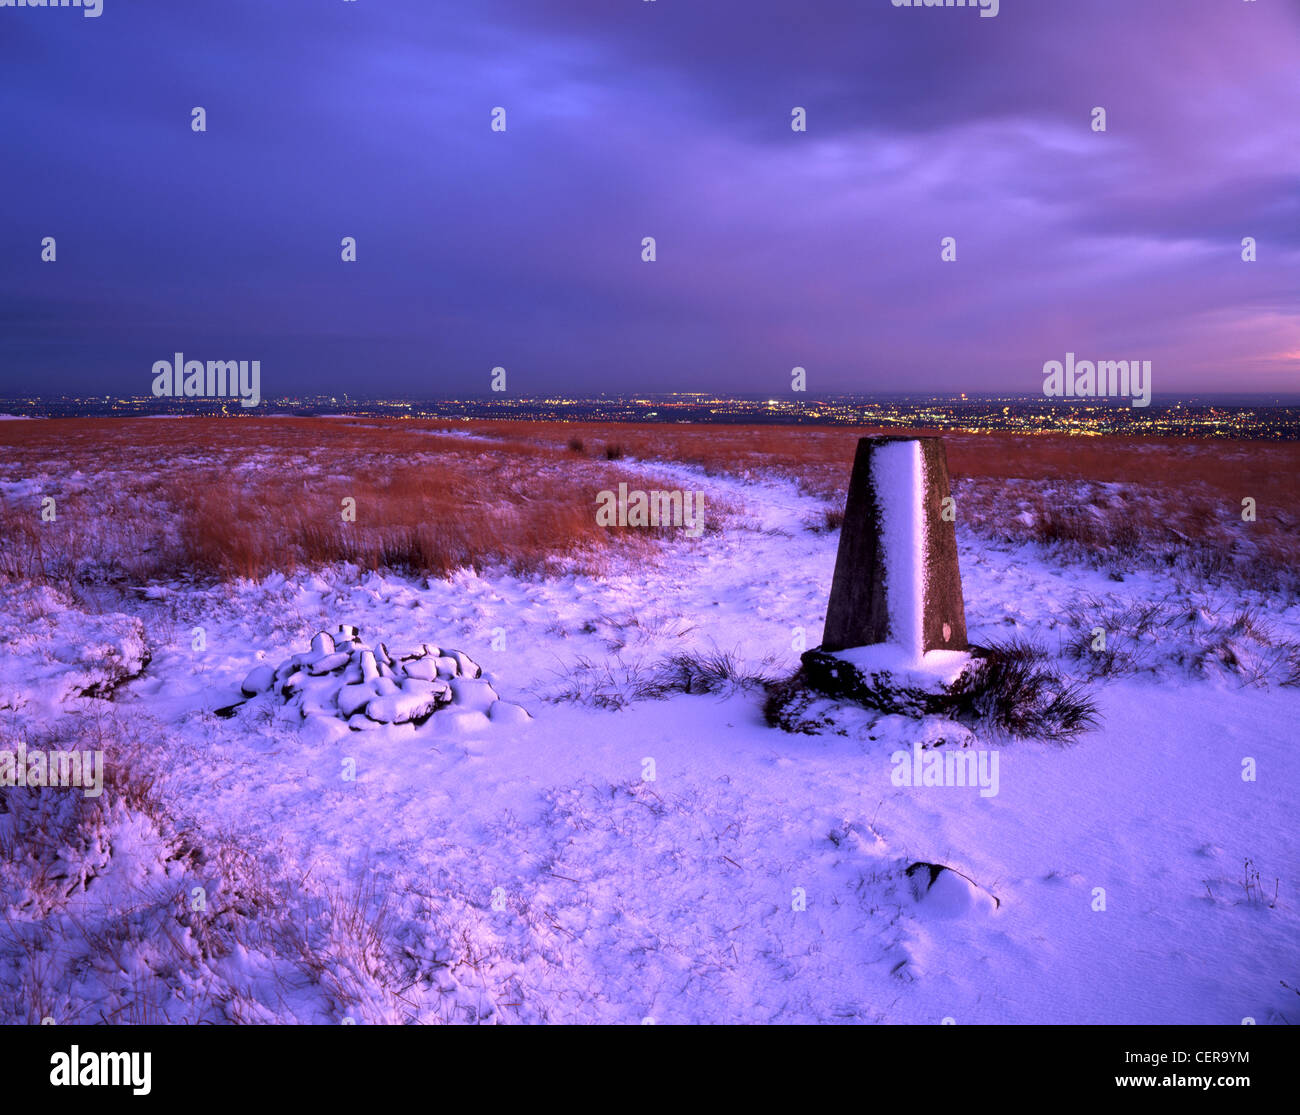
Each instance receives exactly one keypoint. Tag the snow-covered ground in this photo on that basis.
(674, 859)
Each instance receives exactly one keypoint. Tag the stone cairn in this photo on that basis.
(341, 676)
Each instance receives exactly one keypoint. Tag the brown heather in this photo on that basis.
(213, 497)
(146, 498)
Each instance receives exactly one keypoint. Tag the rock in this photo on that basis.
(439, 689)
(354, 698)
(322, 644)
(402, 708)
(320, 701)
(318, 731)
(369, 668)
(347, 631)
(259, 680)
(946, 893)
(328, 663)
(454, 721)
(466, 666)
(506, 712)
(472, 695)
(425, 669)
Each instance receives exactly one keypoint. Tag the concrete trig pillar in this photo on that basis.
(896, 574)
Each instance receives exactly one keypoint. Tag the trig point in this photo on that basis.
(896, 575)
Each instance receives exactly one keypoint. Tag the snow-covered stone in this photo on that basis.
(943, 892)
(507, 712)
(329, 663)
(353, 698)
(896, 577)
(467, 667)
(425, 668)
(472, 694)
(401, 707)
(420, 685)
(259, 680)
(456, 721)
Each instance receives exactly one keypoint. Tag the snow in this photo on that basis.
(934, 667)
(897, 475)
(675, 859)
(950, 895)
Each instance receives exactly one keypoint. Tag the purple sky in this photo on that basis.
(667, 118)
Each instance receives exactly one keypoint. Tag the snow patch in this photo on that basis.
(933, 668)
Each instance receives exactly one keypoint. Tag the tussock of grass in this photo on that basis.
(1017, 693)
(828, 521)
(616, 684)
(715, 671)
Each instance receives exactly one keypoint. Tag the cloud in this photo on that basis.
(654, 119)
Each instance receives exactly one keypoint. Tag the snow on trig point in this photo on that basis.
(896, 614)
